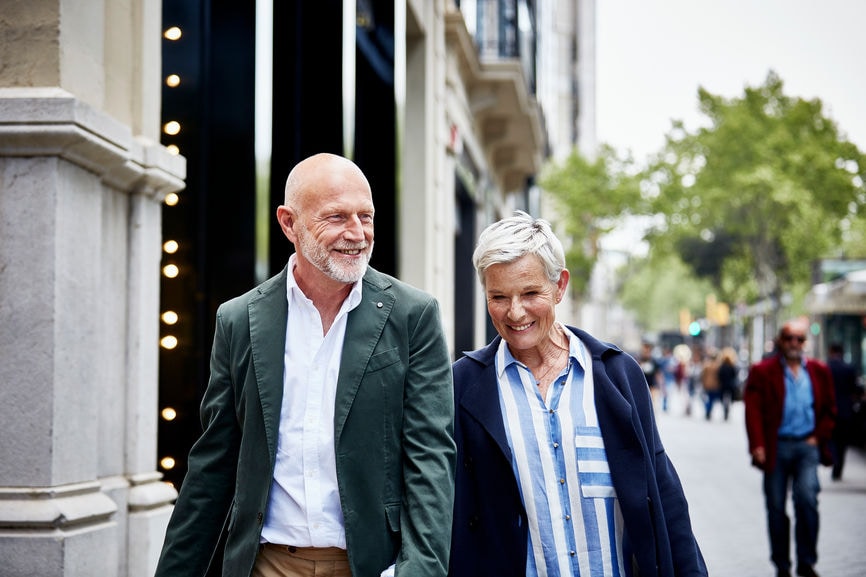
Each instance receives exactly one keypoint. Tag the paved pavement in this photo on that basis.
(727, 504)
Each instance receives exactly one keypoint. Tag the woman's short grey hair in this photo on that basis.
(514, 237)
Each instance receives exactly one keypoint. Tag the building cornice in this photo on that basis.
(52, 122)
(507, 116)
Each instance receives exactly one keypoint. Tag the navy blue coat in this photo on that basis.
(490, 527)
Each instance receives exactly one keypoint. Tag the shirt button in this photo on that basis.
(572, 553)
(562, 481)
(555, 445)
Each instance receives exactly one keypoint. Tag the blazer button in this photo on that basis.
(260, 517)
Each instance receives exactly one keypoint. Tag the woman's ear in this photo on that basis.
(561, 284)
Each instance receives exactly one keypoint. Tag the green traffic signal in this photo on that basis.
(694, 328)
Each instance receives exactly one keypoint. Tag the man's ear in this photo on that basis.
(287, 221)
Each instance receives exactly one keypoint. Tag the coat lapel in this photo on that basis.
(268, 315)
(364, 327)
(481, 397)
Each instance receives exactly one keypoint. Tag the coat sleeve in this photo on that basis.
(205, 496)
(428, 450)
(685, 553)
(757, 409)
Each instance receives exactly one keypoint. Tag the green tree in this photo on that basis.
(657, 287)
(754, 198)
(591, 197)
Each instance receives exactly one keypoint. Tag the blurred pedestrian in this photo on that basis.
(693, 376)
(729, 378)
(847, 393)
(561, 470)
(652, 371)
(710, 381)
(790, 411)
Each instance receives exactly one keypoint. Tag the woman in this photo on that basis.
(561, 470)
(729, 379)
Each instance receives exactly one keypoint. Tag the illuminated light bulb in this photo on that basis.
(168, 342)
(167, 463)
(170, 246)
(169, 414)
(173, 149)
(172, 199)
(169, 317)
(170, 270)
(172, 33)
(172, 127)
(172, 80)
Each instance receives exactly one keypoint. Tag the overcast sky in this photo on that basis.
(653, 54)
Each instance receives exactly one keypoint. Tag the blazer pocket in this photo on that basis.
(392, 514)
(233, 517)
(384, 359)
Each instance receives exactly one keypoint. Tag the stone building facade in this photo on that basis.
(84, 171)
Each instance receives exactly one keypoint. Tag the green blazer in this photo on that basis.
(393, 427)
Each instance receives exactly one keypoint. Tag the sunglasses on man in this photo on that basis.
(799, 338)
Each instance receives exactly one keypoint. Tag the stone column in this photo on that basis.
(82, 178)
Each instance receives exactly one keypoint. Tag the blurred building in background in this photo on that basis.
(143, 152)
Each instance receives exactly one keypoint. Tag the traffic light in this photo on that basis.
(695, 329)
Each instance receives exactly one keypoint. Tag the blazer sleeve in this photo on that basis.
(203, 502)
(429, 451)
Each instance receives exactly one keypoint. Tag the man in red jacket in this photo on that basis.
(790, 413)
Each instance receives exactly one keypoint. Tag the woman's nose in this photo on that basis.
(515, 308)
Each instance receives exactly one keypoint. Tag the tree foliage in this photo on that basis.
(754, 198)
(656, 288)
(591, 197)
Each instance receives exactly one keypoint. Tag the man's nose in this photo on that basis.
(354, 228)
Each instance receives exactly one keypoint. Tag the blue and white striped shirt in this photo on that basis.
(561, 468)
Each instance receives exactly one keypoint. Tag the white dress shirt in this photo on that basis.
(304, 503)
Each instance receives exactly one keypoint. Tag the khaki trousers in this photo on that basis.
(287, 561)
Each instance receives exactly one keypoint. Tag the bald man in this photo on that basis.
(790, 412)
(328, 418)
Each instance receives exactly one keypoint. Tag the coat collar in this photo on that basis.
(476, 398)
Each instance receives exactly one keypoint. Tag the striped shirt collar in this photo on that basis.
(577, 353)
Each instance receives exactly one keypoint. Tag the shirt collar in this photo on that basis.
(292, 288)
(784, 362)
(575, 350)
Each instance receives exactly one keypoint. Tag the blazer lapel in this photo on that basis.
(268, 314)
(364, 327)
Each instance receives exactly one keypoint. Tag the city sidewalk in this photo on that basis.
(727, 504)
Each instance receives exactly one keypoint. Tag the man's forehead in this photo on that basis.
(794, 328)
